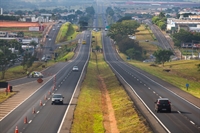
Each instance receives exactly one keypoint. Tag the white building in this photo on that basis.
(174, 24)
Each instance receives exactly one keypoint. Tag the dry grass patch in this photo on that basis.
(88, 117)
(128, 119)
(4, 96)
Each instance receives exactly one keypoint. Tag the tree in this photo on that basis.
(162, 56)
(6, 58)
(110, 11)
(183, 36)
(20, 34)
(90, 10)
(155, 19)
(78, 12)
(134, 54)
(125, 18)
(124, 28)
(161, 15)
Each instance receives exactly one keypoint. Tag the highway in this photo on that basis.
(185, 117)
(48, 117)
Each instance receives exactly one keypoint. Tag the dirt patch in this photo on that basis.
(110, 123)
(20, 24)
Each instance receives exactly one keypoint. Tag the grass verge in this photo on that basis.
(88, 115)
(4, 96)
(62, 34)
(181, 72)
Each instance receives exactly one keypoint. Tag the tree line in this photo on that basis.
(8, 57)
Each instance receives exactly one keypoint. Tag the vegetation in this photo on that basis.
(4, 96)
(9, 18)
(162, 56)
(181, 72)
(91, 95)
(66, 32)
(120, 32)
(124, 28)
(160, 21)
(110, 11)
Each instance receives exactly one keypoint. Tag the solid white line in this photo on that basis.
(74, 90)
(139, 97)
(25, 99)
(162, 86)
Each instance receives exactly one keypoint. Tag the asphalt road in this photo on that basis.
(48, 117)
(185, 116)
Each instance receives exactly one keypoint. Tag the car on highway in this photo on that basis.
(146, 40)
(162, 104)
(49, 39)
(83, 42)
(36, 74)
(57, 99)
(75, 68)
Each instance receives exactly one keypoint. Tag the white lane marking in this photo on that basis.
(138, 97)
(25, 99)
(75, 89)
(192, 122)
(161, 86)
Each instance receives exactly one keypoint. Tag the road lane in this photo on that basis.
(174, 121)
(65, 82)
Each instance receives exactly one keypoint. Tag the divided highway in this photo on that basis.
(48, 117)
(185, 116)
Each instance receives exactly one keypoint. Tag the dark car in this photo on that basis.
(162, 104)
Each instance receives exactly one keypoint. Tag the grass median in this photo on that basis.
(90, 112)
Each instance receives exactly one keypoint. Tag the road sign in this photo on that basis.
(108, 27)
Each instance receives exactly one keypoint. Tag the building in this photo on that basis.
(175, 25)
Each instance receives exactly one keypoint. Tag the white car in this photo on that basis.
(36, 74)
(49, 39)
(75, 68)
(57, 99)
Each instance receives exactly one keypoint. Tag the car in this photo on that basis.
(53, 29)
(146, 40)
(162, 104)
(49, 39)
(83, 42)
(36, 74)
(75, 68)
(57, 99)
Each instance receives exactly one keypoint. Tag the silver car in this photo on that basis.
(75, 68)
(57, 99)
(36, 74)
